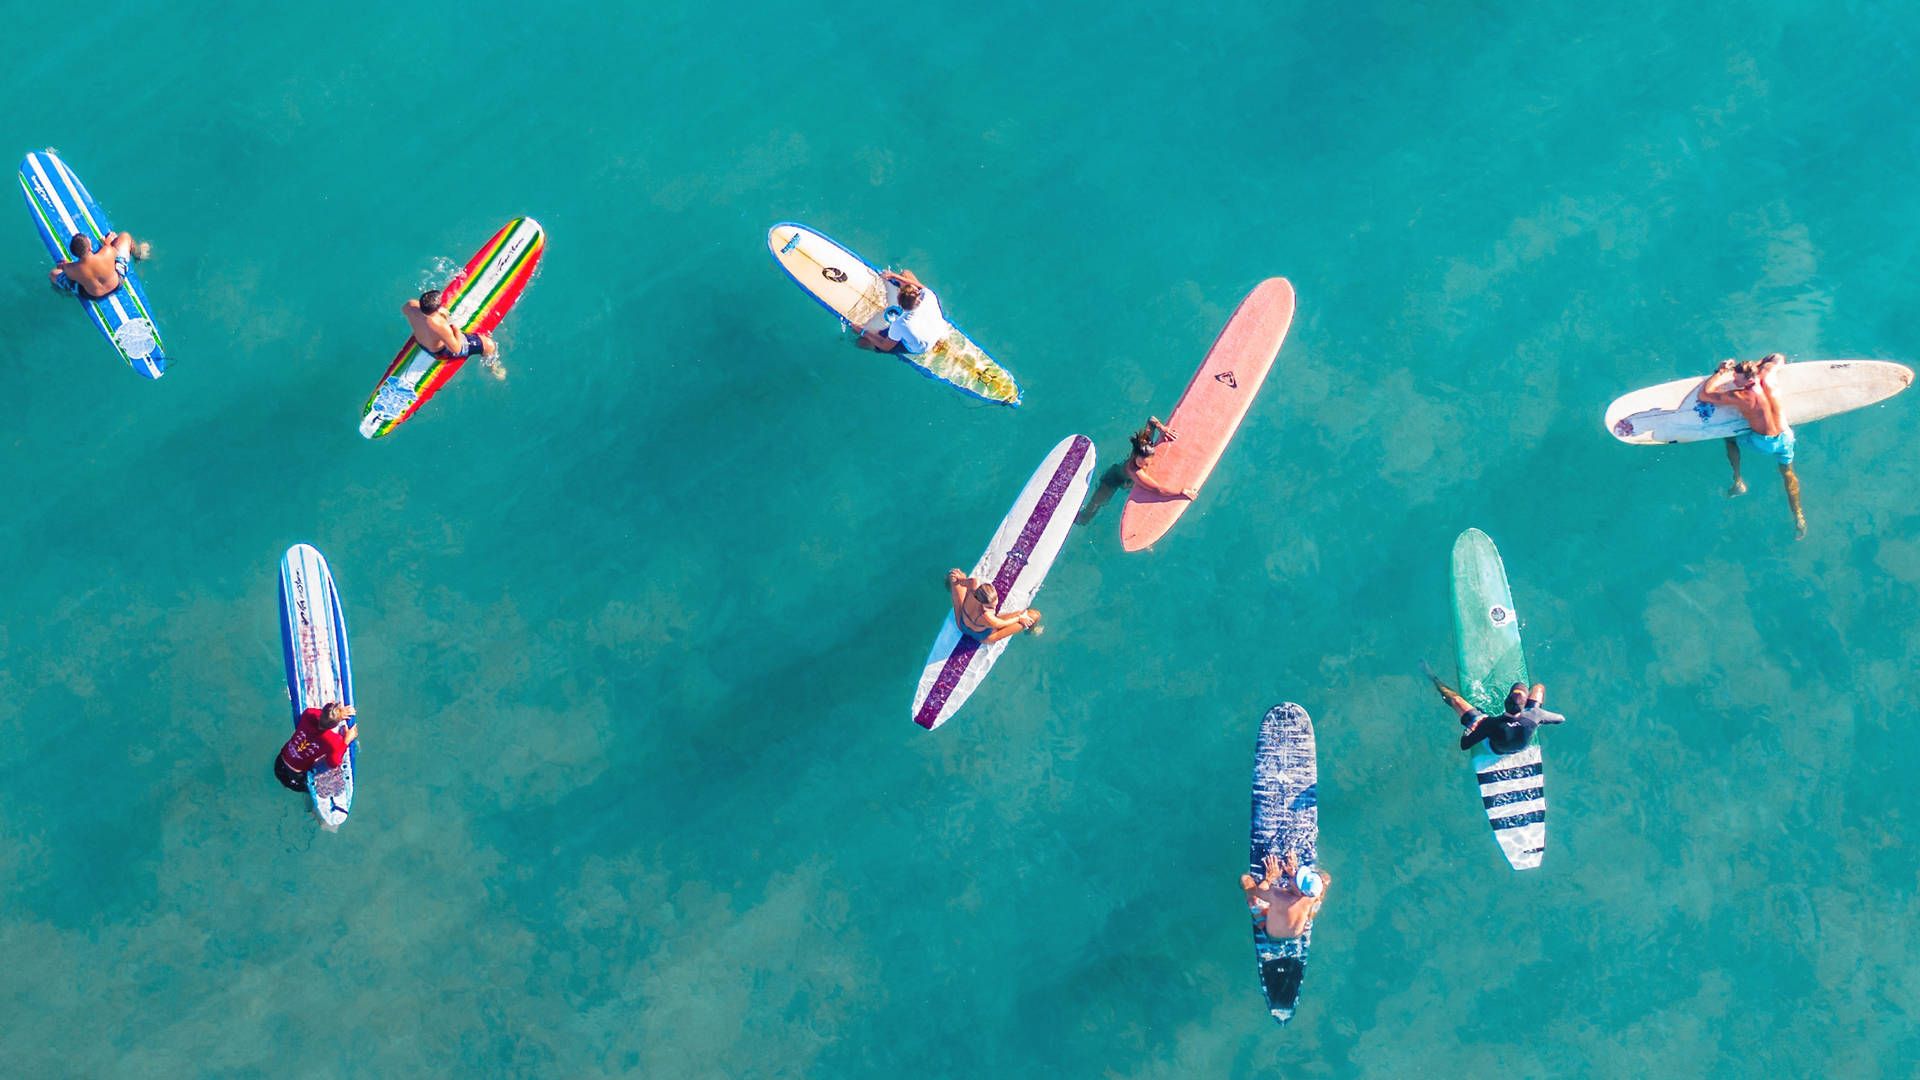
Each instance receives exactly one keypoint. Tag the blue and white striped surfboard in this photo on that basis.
(62, 208)
(313, 641)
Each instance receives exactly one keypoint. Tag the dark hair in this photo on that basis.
(1517, 698)
(430, 301)
(79, 245)
(910, 295)
(986, 593)
(1746, 367)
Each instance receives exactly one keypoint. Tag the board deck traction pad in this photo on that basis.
(1512, 786)
(955, 359)
(1285, 818)
(1074, 462)
(62, 206)
(477, 297)
(302, 569)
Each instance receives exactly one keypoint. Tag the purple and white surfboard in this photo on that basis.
(1017, 561)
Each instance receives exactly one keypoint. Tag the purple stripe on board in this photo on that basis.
(1016, 561)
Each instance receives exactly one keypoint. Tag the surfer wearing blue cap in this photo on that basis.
(913, 322)
(976, 607)
(93, 273)
(1285, 902)
(436, 334)
(1744, 386)
(1512, 730)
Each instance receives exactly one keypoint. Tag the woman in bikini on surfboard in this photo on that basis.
(436, 334)
(975, 605)
(1134, 470)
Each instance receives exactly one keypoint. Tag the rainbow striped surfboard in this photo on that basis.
(62, 207)
(477, 298)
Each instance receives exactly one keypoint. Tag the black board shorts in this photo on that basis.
(289, 779)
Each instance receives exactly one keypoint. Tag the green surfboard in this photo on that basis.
(1487, 642)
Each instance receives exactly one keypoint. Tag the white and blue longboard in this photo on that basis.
(1286, 821)
(313, 639)
(62, 208)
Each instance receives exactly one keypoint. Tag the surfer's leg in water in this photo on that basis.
(289, 779)
(1460, 705)
(1793, 501)
(1111, 481)
(1733, 457)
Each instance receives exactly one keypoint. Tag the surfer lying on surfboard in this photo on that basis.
(1133, 470)
(976, 608)
(319, 735)
(438, 336)
(1288, 898)
(914, 321)
(1744, 386)
(95, 274)
(1508, 733)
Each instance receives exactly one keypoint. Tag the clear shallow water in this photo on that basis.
(637, 630)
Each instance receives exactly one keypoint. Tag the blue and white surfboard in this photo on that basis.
(63, 209)
(313, 639)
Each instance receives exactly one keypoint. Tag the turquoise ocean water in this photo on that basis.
(637, 630)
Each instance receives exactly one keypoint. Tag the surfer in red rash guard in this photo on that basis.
(1744, 386)
(319, 735)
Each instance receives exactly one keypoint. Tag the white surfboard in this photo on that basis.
(1016, 560)
(1808, 390)
(313, 640)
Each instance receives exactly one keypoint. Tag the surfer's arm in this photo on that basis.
(1480, 730)
(1710, 391)
(1141, 477)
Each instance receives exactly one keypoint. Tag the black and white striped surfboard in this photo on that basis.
(1513, 790)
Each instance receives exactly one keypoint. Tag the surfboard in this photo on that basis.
(1016, 560)
(1491, 659)
(313, 642)
(1210, 411)
(63, 208)
(477, 297)
(850, 287)
(1808, 390)
(1286, 819)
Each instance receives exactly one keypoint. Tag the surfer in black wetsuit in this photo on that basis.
(1512, 730)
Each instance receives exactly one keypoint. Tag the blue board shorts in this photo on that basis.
(1778, 447)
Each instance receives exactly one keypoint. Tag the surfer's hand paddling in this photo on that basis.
(976, 608)
(1744, 386)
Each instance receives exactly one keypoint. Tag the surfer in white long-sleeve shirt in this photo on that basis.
(914, 322)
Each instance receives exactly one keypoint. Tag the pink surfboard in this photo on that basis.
(1211, 410)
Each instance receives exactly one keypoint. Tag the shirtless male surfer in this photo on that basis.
(95, 272)
(1744, 386)
(1284, 902)
(439, 337)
